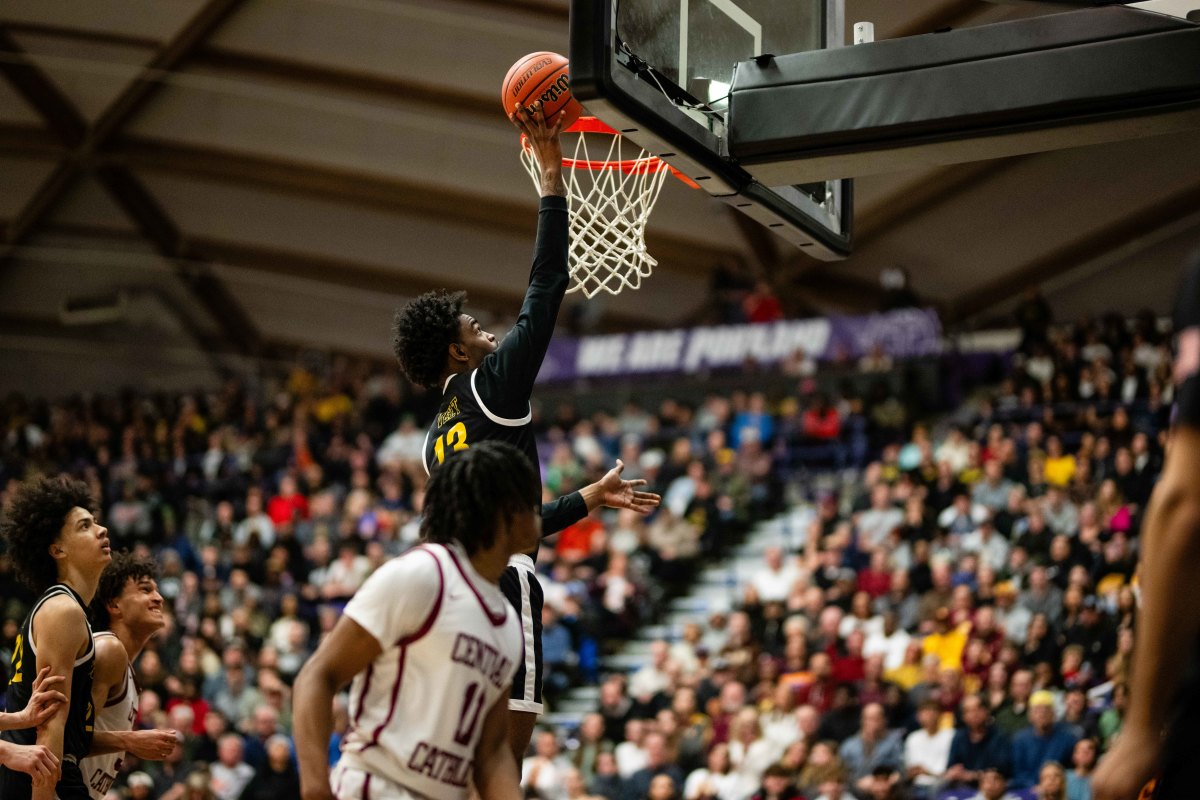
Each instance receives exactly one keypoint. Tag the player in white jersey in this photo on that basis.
(431, 646)
(126, 612)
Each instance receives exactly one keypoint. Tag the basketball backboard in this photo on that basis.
(659, 71)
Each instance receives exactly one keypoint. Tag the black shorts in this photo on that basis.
(18, 785)
(520, 585)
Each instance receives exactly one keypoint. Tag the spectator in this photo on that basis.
(277, 778)
(715, 781)
(993, 785)
(545, 771)
(777, 785)
(658, 765)
(994, 490)
(978, 746)
(1044, 740)
(877, 523)
(927, 749)
(1052, 782)
(230, 774)
(874, 746)
(1079, 777)
(591, 744)
(773, 582)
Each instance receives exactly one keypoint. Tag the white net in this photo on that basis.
(610, 201)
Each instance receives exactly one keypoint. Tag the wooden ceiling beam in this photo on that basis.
(345, 273)
(394, 194)
(84, 141)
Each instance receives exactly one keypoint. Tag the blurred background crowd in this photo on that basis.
(950, 615)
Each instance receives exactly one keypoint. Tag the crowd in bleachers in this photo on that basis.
(957, 617)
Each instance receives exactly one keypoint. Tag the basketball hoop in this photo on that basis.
(610, 201)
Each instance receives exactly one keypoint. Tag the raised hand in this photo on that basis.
(543, 139)
(618, 493)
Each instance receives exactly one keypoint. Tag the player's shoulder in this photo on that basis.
(111, 657)
(417, 569)
(59, 606)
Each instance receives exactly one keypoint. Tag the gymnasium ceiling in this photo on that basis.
(258, 172)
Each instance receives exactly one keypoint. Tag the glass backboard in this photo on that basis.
(660, 70)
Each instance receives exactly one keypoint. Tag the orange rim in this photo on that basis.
(633, 166)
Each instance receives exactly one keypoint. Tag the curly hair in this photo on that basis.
(35, 518)
(422, 331)
(468, 496)
(124, 567)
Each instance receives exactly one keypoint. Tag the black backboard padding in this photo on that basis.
(1048, 71)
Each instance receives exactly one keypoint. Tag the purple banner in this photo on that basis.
(907, 333)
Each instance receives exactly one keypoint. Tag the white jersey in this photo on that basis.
(118, 714)
(450, 647)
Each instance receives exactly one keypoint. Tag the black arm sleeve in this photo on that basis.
(505, 378)
(561, 512)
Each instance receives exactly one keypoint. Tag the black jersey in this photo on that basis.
(492, 401)
(77, 734)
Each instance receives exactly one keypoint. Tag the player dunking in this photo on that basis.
(1164, 692)
(486, 388)
(59, 550)
(431, 645)
(126, 612)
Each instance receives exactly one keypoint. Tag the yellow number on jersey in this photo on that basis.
(455, 439)
(17, 657)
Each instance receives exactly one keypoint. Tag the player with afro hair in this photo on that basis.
(422, 333)
(34, 521)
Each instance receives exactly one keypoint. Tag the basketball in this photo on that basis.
(541, 76)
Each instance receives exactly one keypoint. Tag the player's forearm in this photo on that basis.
(564, 511)
(105, 742)
(550, 179)
(12, 722)
(313, 692)
(1170, 612)
(50, 736)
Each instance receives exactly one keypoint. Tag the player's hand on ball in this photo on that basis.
(543, 140)
(153, 745)
(624, 494)
(45, 700)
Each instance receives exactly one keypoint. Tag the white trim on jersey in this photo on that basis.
(511, 423)
(449, 378)
(528, 692)
(51, 593)
(424, 447)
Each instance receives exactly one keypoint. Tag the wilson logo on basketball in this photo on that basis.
(559, 87)
(515, 88)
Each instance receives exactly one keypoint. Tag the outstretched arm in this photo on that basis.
(505, 379)
(611, 491)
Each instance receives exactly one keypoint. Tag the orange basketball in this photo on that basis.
(541, 76)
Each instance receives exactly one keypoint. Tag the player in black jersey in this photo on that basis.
(486, 386)
(1164, 692)
(59, 550)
